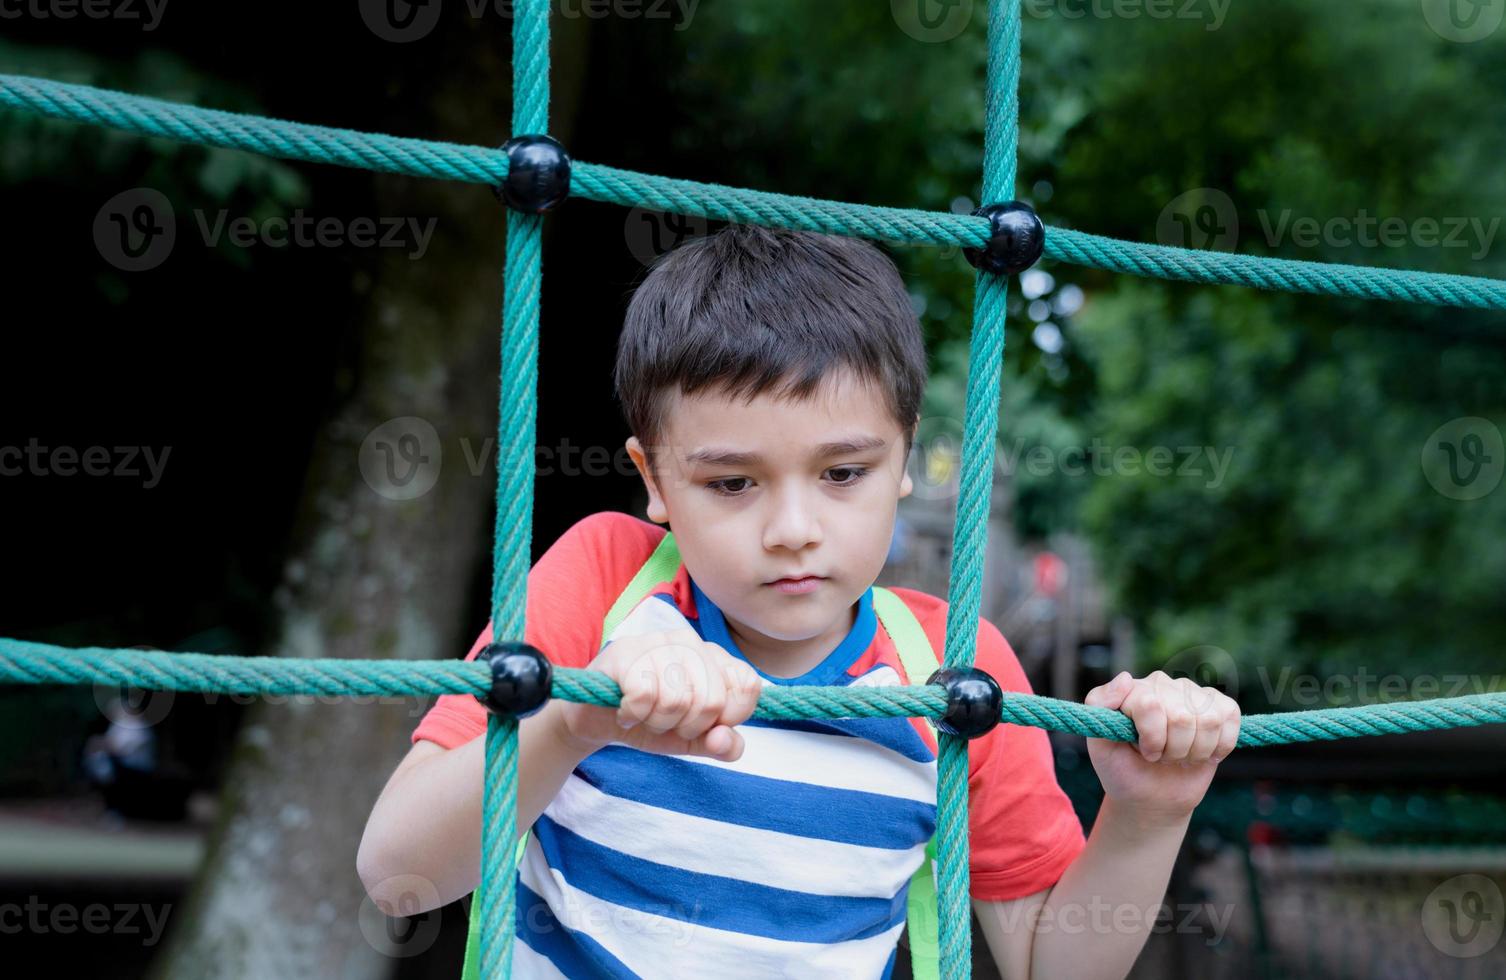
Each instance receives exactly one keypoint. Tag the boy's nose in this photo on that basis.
(794, 523)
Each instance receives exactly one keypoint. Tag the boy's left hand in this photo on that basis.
(1184, 729)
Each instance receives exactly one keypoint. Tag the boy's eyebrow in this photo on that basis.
(715, 456)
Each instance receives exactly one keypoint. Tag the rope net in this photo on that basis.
(24, 662)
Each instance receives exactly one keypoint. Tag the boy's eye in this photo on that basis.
(856, 474)
(733, 486)
(721, 486)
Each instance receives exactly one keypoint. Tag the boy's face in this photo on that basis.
(762, 490)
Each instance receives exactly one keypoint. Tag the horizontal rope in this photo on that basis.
(1285, 275)
(258, 134)
(23, 662)
(486, 165)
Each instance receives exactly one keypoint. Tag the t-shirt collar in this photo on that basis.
(858, 639)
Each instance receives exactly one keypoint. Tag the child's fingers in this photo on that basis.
(1145, 710)
(708, 693)
(743, 689)
(681, 689)
(640, 690)
(676, 693)
(1181, 720)
(1210, 721)
(629, 661)
(1228, 734)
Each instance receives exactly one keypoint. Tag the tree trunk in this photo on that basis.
(370, 574)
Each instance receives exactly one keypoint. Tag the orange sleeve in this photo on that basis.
(1023, 832)
(570, 589)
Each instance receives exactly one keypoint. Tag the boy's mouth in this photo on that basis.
(797, 586)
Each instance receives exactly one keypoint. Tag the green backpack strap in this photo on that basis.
(916, 655)
(661, 566)
(918, 658)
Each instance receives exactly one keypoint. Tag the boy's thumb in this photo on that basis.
(721, 742)
(1112, 694)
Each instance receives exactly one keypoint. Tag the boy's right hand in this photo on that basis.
(680, 696)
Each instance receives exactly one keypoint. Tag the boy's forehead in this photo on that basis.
(840, 409)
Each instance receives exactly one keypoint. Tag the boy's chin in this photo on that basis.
(798, 625)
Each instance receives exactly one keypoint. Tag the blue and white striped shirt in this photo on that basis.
(793, 861)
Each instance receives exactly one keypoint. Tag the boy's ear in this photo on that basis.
(906, 485)
(658, 512)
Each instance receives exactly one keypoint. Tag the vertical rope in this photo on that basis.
(970, 532)
(517, 415)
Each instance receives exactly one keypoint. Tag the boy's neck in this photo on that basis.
(786, 659)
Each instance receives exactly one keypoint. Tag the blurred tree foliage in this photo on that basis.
(1322, 547)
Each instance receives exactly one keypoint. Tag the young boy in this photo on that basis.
(773, 383)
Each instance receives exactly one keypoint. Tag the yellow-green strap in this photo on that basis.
(916, 655)
(471, 970)
(661, 566)
(918, 659)
(921, 919)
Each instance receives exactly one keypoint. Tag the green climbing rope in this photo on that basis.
(35, 663)
(25, 662)
(486, 165)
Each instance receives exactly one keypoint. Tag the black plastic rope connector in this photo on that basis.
(974, 701)
(1016, 239)
(538, 174)
(521, 679)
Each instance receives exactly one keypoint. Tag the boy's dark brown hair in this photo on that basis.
(751, 310)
